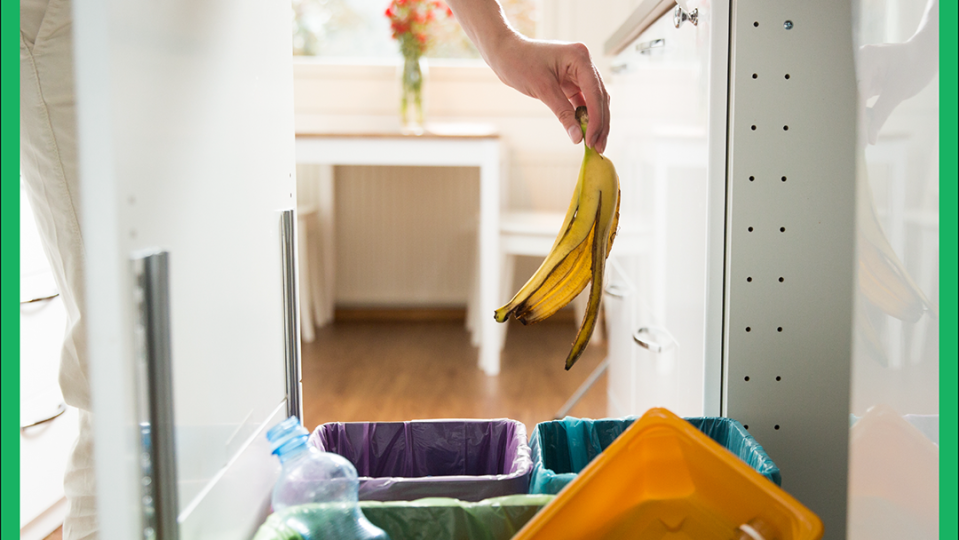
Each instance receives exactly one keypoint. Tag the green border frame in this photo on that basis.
(10, 267)
(10, 259)
(948, 355)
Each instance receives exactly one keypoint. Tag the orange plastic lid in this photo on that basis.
(663, 478)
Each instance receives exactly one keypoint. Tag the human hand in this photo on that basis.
(561, 75)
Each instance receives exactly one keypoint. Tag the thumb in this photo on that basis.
(557, 101)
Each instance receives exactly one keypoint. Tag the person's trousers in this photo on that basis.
(48, 161)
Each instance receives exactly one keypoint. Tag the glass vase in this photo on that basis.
(412, 82)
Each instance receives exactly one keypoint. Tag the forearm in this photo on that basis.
(485, 24)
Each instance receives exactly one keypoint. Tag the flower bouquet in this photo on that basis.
(410, 20)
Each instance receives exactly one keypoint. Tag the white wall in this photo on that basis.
(412, 233)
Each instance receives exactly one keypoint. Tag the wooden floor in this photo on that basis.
(360, 371)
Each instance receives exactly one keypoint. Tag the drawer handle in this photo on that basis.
(616, 290)
(644, 334)
(647, 46)
(680, 16)
(61, 408)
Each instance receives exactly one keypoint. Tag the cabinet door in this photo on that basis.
(662, 105)
(186, 146)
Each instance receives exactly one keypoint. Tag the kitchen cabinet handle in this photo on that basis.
(291, 317)
(61, 408)
(680, 16)
(616, 290)
(643, 337)
(154, 385)
(647, 46)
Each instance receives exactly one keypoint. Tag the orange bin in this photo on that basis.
(663, 478)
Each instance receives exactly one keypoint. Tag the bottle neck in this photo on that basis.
(294, 453)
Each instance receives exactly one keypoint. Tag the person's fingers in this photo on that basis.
(604, 135)
(589, 82)
(576, 99)
(556, 100)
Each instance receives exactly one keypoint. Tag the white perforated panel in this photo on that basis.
(790, 241)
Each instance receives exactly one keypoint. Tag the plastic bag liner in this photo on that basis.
(469, 460)
(449, 519)
(563, 448)
(426, 519)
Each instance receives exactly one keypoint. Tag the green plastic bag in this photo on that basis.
(438, 518)
(562, 448)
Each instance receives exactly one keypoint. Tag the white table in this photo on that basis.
(454, 149)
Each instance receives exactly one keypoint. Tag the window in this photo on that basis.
(359, 29)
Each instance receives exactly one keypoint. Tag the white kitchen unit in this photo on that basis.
(737, 121)
(186, 151)
(660, 107)
(48, 427)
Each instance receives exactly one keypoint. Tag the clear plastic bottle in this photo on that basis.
(311, 476)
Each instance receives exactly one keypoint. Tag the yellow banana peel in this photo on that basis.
(578, 255)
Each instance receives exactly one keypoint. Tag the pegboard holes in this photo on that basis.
(780, 329)
(783, 178)
(749, 280)
(746, 378)
(781, 279)
(787, 76)
(753, 128)
(776, 427)
(785, 128)
(748, 329)
(755, 24)
(788, 25)
(755, 75)
(750, 229)
(782, 229)
(778, 378)
(752, 178)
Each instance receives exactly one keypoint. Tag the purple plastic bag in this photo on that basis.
(470, 460)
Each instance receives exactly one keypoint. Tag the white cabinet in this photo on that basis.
(661, 99)
(185, 125)
(44, 447)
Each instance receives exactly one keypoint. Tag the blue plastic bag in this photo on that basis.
(562, 448)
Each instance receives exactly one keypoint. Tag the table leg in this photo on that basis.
(489, 266)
